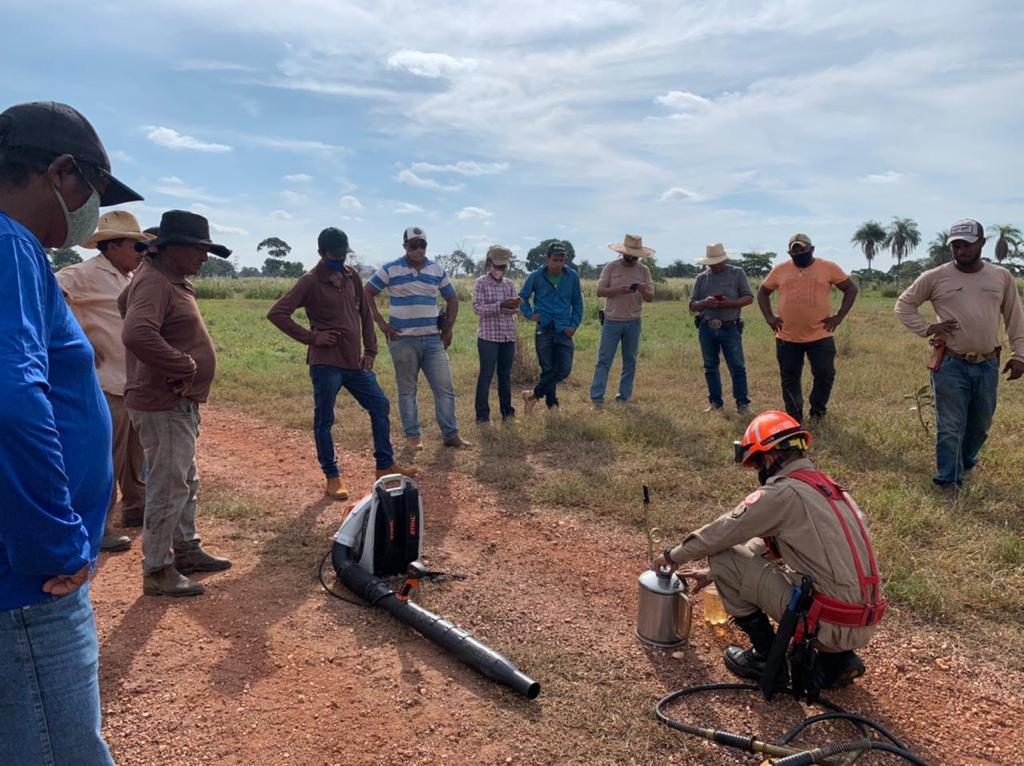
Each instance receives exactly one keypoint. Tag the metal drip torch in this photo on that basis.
(663, 608)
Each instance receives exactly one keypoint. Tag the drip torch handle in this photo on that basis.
(647, 527)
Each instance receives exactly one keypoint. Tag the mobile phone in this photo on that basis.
(634, 286)
(718, 297)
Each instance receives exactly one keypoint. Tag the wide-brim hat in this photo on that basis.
(713, 254)
(117, 224)
(633, 244)
(499, 255)
(181, 227)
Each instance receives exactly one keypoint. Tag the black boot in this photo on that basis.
(749, 663)
(840, 669)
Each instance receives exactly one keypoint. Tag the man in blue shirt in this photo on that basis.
(552, 298)
(54, 481)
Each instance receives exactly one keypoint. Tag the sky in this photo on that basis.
(688, 123)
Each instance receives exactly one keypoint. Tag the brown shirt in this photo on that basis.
(165, 339)
(625, 307)
(333, 300)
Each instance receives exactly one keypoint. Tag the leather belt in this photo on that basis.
(716, 324)
(973, 358)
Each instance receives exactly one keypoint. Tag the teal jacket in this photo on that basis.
(560, 306)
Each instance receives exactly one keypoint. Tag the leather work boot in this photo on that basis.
(749, 663)
(170, 582)
(840, 669)
(457, 442)
(529, 402)
(335, 490)
(396, 468)
(115, 543)
(414, 443)
(198, 560)
(132, 519)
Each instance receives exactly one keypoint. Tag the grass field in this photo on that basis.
(946, 559)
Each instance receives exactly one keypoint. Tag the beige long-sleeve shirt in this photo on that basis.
(974, 300)
(91, 289)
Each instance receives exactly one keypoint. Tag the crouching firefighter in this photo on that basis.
(796, 550)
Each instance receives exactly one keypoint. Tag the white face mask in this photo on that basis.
(80, 223)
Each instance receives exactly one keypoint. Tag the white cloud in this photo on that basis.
(212, 65)
(236, 231)
(281, 215)
(888, 177)
(298, 146)
(405, 208)
(348, 202)
(298, 178)
(463, 167)
(474, 214)
(293, 198)
(682, 101)
(119, 156)
(433, 65)
(172, 139)
(409, 178)
(172, 186)
(678, 193)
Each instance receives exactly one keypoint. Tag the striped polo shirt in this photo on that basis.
(412, 294)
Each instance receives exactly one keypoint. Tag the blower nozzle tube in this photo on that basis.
(376, 592)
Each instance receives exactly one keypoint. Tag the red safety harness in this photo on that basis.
(825, 607)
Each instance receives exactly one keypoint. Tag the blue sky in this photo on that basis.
(511, 122)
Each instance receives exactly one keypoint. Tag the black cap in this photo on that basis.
(181, 227)
(557, 247)
(334, 241)
(55, 129)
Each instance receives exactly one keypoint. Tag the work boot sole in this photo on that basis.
(150, 591)
(751, 674)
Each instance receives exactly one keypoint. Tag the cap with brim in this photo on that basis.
(413, 232)
(181, 227)
(632, 244)
(499, 255)
(117, 224)
(557, 248)
(51, 129)
(803, 239)
(713, 254)
(334, 241)
(967, 230)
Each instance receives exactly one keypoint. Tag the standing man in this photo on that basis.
(626, 285)
(55, 480)
(171, 362)
(91, 289)
(968, 295)
(552, 298)
(800, 522)
(342, 350)
(418, 335)
(496, 303)
(805, 322)
(719, 293)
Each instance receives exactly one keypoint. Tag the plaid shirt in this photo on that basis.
(496, 324)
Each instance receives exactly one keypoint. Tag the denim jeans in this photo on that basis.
(822, 356)
(327, 382)
(613, 333)
(169, 440)
(494, 355)
(965, 400)
(413, 353)
(49, 685)
(554, 354)
(728, 340)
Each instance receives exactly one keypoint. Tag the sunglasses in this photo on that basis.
(500, 267)
(418, 244)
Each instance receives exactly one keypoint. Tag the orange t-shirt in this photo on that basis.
(804, 298)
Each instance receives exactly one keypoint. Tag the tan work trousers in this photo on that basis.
(747, 581)
(129, 462)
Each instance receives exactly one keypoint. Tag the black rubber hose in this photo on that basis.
(864, 724)
(477, 655)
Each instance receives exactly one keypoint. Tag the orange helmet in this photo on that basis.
(770, 430)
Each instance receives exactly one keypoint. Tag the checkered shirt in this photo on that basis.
(496, 324)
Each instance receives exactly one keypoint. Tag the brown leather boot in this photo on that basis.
(169, 582)
(457, 442)
(198, 560)
(334, 489)
(396, 468)
(114, 543)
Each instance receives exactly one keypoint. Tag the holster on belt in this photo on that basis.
(938, 347)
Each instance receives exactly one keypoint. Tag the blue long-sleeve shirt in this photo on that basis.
(56, 471)
(561, 306)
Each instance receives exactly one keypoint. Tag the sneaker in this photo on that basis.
(743, 409)
(396, 468)
(596, 405)
(713, 408)
(115, 543)
(198, 560)
(457, 442)
(169, 582)
(334, 490)
(529, 402)
(414, 443)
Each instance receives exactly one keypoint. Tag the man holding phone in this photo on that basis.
(719, 293)
(626, 285)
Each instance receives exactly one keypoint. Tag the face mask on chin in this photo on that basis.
(629, 260)
(335, 264)
(802, 260)
(81, 223)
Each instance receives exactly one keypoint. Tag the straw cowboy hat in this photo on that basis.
(117, 224)
(713, 254)
(633, 244)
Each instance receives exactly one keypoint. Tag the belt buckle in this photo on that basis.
(715, 324)
(974, 358)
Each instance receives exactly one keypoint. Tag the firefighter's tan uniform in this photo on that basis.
(808, 537)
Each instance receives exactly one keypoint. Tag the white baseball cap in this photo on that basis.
(414, 232)
(968, 230)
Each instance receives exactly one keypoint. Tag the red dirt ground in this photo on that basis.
(265, 668)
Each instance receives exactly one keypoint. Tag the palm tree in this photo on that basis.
(938, 249)
(870, 237)
(1008, 245)
(901, 238)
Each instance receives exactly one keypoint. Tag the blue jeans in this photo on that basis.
(327, 382)
(554, 354)
(965, 400)
(494, 355)
(612, 333)
(728, 340)
(49, 686)
(413, 353)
